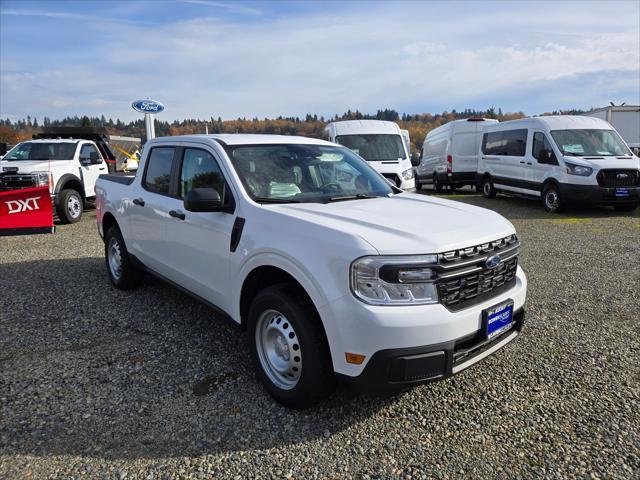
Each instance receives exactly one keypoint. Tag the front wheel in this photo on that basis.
(625, 207)
(418, 184)
(70, 206)
(288, 347)
(551, 198)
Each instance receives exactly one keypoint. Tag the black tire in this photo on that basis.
(282, 304)
(418, 184)
(626, 207)
(437, 186)
(488, 190)
(70, 206)
(128, 276)
(551, 200)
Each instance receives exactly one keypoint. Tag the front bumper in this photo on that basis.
(596, 195)
(398, 368)
(352, 326)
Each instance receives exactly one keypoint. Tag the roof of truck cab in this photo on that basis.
(244, 139)
(354, 127)
(53, 140)
(553, 122)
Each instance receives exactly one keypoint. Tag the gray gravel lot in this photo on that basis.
(97, 383)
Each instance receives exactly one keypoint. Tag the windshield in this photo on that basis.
(589, 143)
(374, 147)
(305, 173)
(42, 151)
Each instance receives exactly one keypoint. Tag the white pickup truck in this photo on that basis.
(322, 262)
(70, 168)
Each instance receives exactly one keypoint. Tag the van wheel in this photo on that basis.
(288, 347)
(122, 272)
(488, 190)
(70, 206)
(625, 207)
(437, 186)
(551, 198)
(418, 184)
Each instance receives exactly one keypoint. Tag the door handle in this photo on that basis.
(177, 214)
(138, 201)
(101, 169)
(529, 163)
(521, 161)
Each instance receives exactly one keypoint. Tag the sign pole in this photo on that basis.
(150, 124)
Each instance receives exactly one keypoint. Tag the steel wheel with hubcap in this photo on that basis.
(278, 349)
(488, 190)
(69, 206)
(114, 258)
(282, 322)
(551, 199)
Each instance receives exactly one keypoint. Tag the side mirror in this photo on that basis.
(203, 200)
(415, 160)
(94, 158)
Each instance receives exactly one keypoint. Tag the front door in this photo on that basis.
(200, 241)
(90, 170)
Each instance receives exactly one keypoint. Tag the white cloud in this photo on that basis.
(370, 58)
(234, 7)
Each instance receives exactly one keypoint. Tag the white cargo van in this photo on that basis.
(560, 159)
(450, 154)
(380, 143)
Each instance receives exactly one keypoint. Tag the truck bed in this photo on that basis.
(121, 178)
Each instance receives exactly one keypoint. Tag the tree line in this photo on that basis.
(310, 125)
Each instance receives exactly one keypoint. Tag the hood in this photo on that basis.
(604, 162)
(406, 223)
(28, 166)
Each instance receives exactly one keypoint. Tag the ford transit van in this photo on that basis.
(450, 154)
(379, 142)
(561, 160)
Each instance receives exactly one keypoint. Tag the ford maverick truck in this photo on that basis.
(318, 259)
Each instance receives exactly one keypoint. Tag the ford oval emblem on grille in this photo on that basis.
(492, 262)
(622, 175)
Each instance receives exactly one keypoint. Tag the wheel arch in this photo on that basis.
(108, 221)
(70, 181)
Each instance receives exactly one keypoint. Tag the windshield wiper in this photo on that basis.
(572, 154)
(275, 200)
(357, 196)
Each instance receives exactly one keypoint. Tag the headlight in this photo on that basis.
(408, 174)
(395, 280)
(573, 169)
(42, 179)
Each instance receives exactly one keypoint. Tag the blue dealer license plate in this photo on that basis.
(499, 319)
(622, 192)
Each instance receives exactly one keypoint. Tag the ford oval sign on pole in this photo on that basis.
(149, 108)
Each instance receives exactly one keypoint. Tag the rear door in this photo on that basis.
(200, 242)
(544, 161)
(149, 209)
(504, 153)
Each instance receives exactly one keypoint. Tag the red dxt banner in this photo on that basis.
(26, 211)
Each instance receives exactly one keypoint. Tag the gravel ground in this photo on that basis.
(96, 383)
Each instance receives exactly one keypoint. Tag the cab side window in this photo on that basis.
(157, 175)
(86, 150)
(201, 170)
(542, 150)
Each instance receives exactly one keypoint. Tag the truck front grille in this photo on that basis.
(618, 178)
(466, 276)
(16, 182)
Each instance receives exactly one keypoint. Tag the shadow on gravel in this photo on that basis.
(518, 208)
(89, 370)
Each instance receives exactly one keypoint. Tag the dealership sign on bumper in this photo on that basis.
(26, 211)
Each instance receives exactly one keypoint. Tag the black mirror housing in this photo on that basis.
(415, 160)
(203, 200)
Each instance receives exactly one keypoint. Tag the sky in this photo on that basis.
(205, 58)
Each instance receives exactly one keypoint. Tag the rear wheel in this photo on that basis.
(418, 184)
(70, 206)
(626, 207)
(488, 190)
(551, 198)
(437, 185)
(122, 272)
(289, 348)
